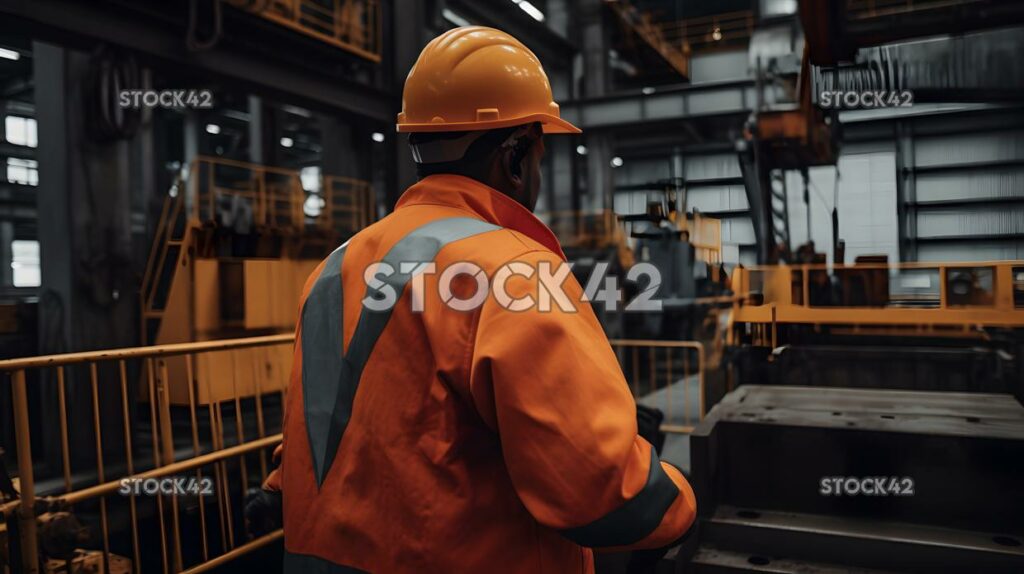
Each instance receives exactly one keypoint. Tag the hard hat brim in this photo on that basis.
(550, 123)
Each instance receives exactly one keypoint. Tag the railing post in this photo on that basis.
(700, 380)
(26, 481)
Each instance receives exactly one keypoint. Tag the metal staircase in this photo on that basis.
(167, 255)
(780, 210)
(240, 215)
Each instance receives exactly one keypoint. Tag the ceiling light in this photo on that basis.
(716, 34)
(581, 149)
(287, 142)
(213, 129)
(616, 161)
(9, 54)
(530, 9)
(378, 137)
(454, 18)
(647, 91)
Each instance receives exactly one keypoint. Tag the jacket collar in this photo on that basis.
(483, 201)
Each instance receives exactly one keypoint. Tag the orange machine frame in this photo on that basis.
(785, 299)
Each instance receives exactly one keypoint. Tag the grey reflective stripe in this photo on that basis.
(306, 564)
(419, 246)
(322, 355)
(634, 520)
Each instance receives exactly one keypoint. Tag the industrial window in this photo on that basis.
(970, 286)
(23, 171)
(21, 131)
(25, 263)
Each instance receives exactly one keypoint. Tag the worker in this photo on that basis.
(446, 440)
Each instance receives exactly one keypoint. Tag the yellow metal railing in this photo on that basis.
(914, 298)
(156, 440)
(676, 54)
(677, 40)
(228, 443)
(706, 237)
(352, 25)
(864, 9)
(710, 32)
(348, 204)
(668, 375)
(274, 197)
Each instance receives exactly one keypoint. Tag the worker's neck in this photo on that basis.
(495, 180)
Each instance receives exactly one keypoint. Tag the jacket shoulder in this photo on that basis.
(495, 248)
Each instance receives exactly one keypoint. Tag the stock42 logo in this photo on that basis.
(866, 99)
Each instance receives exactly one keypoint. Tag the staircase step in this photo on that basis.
(862, 543)
(828, 399)
(715, 561)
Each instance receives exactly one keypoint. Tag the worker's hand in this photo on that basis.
(263, 512)
(273, 481)
(648, 424)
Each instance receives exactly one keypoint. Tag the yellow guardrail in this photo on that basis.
(274, 197)
(142, 447)
(228, 443)
(865, 9)
(668, 375)
(352, 25)
(676, 54)
(710, 32)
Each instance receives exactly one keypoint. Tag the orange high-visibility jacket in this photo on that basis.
(442, 440)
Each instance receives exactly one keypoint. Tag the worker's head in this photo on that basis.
(477, 103)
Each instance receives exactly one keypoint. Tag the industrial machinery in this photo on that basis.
(786, 131)
(905, 378)
(234, 247)
(686, 248)
(948, 326)
(815, 479)
(595, 244)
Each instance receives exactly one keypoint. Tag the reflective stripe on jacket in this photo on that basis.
(441, 440)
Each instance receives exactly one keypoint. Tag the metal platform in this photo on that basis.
(759, 459)
(869, 543)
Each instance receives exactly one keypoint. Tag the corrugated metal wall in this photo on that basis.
(714, 188)
(866, 198)
(961, 182)
(969, 202)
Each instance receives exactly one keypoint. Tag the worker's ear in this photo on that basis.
(512, 167)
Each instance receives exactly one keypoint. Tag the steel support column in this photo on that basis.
(409, 32)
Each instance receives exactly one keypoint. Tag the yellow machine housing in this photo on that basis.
(211, 277)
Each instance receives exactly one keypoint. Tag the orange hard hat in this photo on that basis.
(478, 78)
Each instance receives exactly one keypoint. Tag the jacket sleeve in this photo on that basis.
(550, 385)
